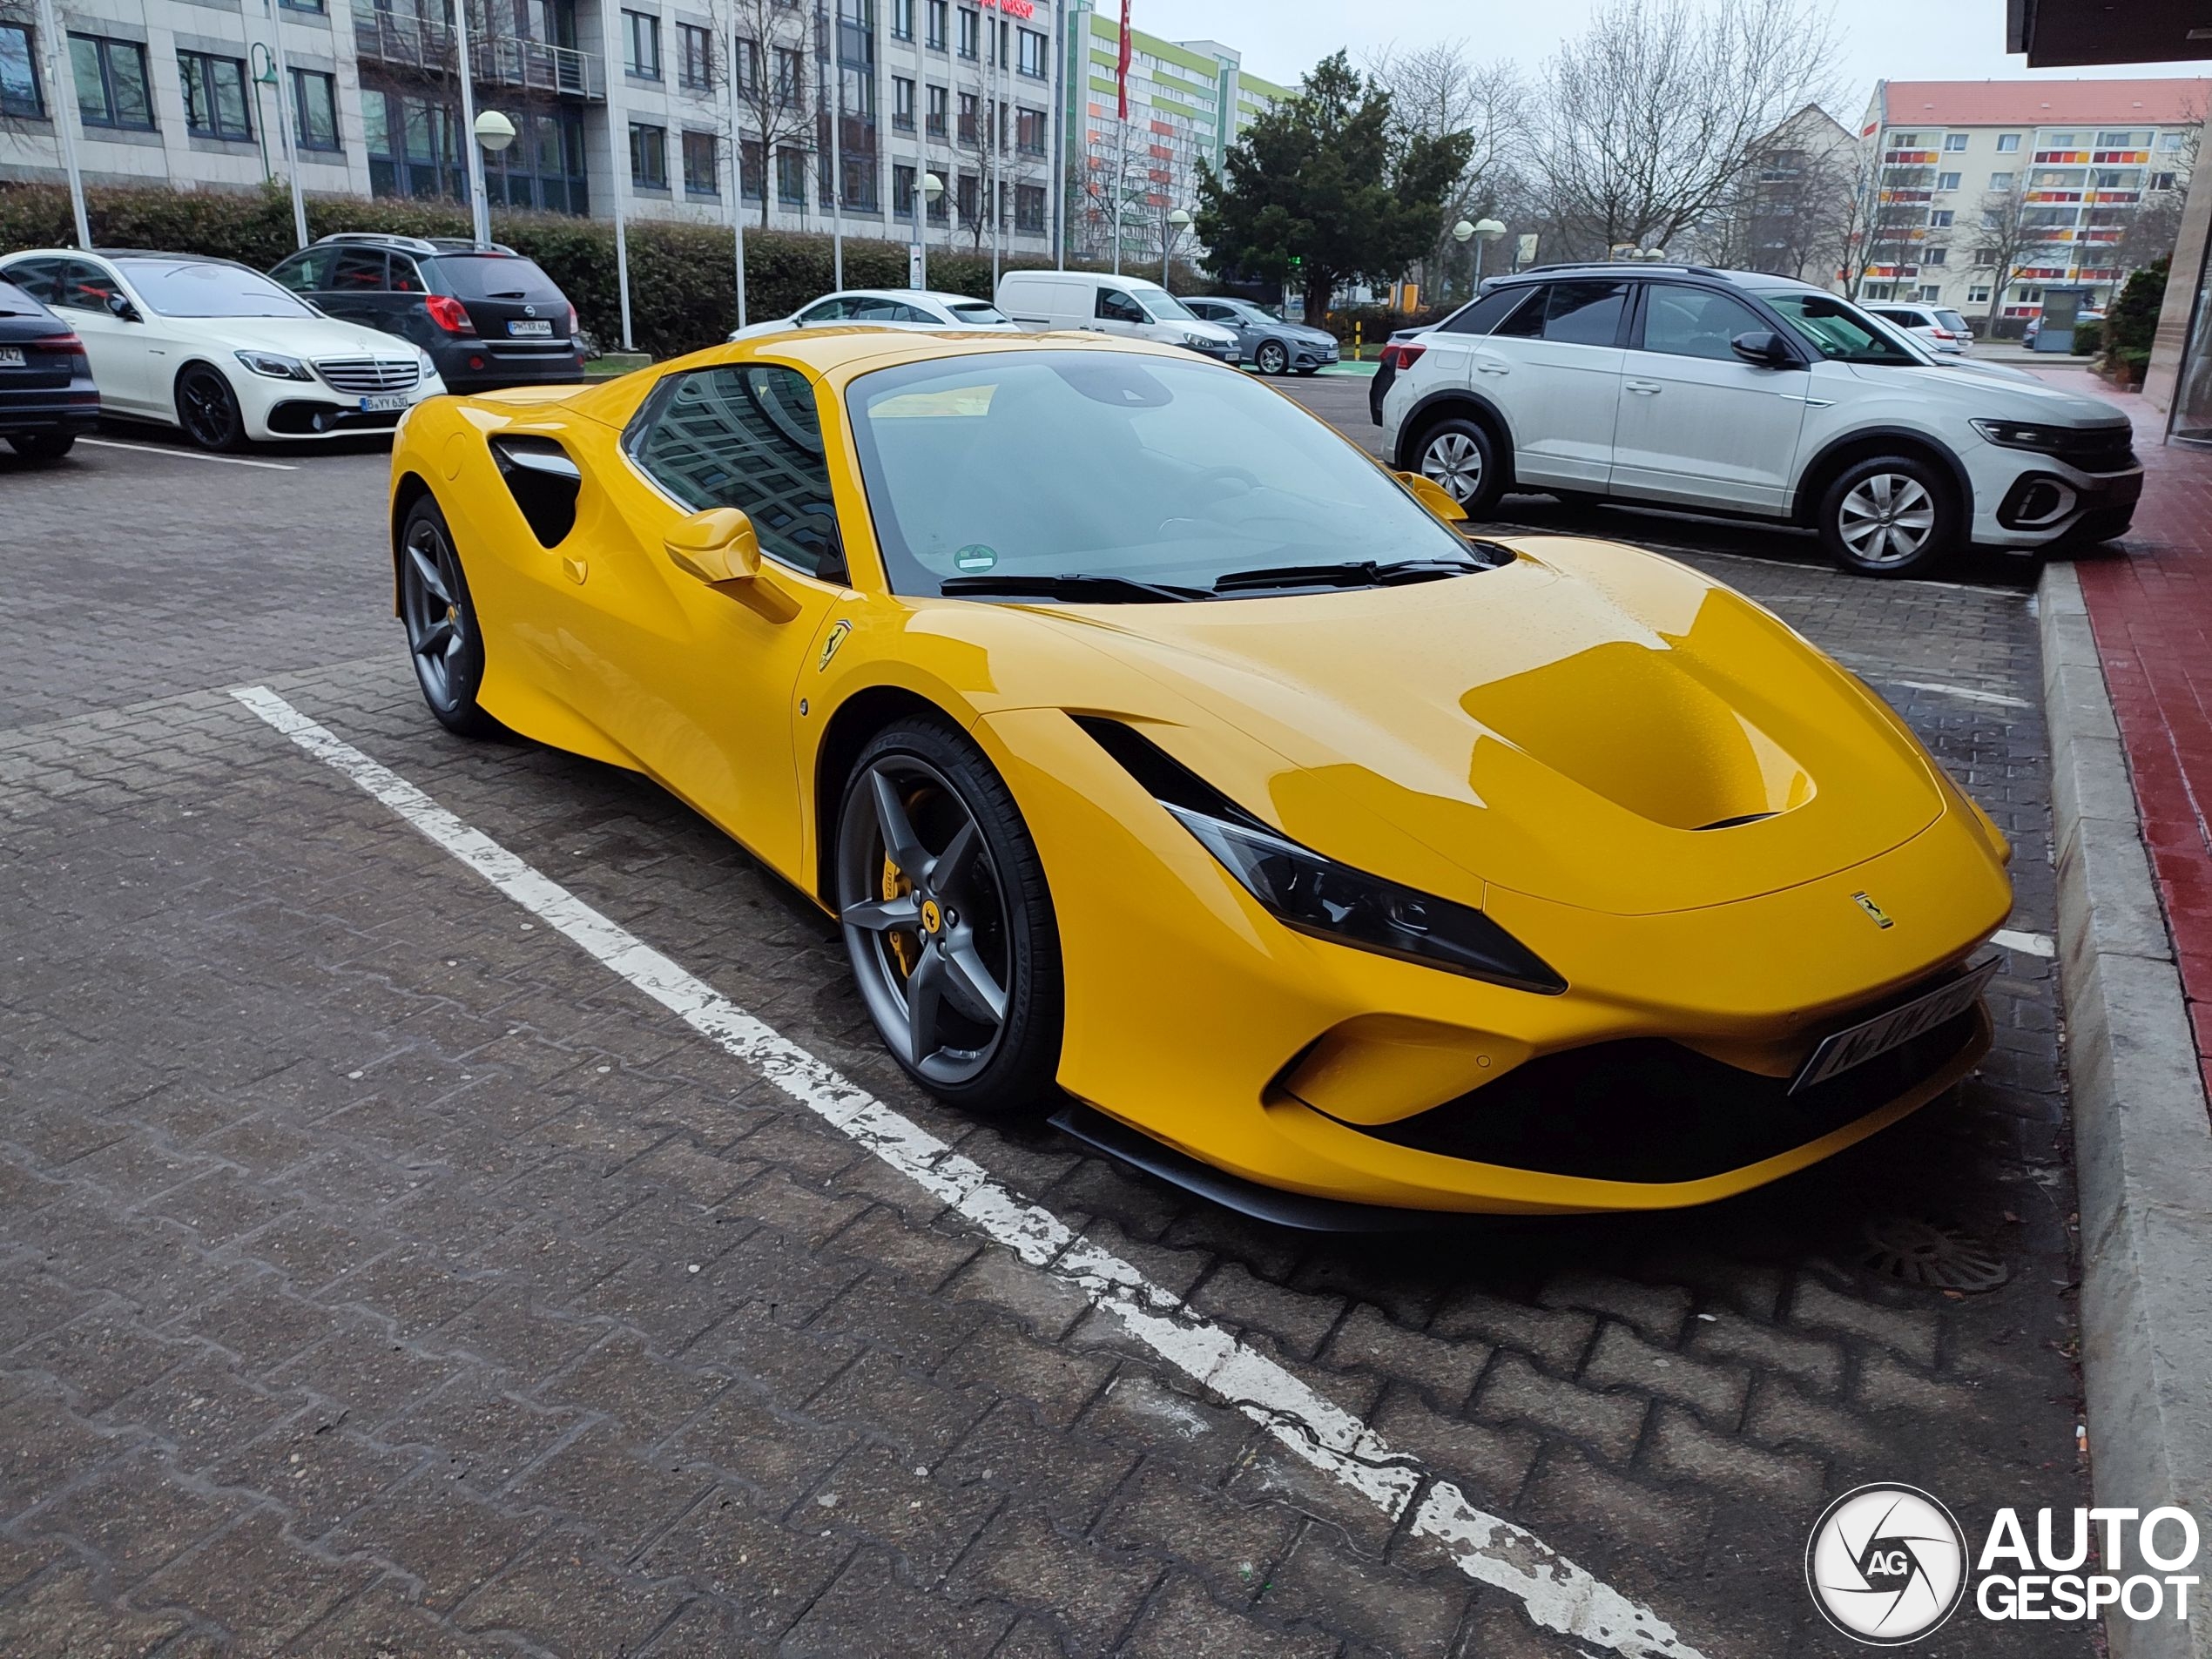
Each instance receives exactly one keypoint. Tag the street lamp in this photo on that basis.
(494, 133)
(1178, 222)
(928, 189)
(1482, 232)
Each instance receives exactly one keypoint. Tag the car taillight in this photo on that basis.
(448, 313)
(62, 342)
(1945, 333)
(573, 326)
(1401, 356)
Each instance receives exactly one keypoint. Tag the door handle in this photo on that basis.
(1644, 388)
(1494, 368)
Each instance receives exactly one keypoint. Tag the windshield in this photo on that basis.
(1951, 321)
(1162, 306)
(179, 288)
(1840, 331)
(1051, 463)
(978, 312)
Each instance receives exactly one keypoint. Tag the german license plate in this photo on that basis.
(387, 404)
(539, 328)
(10, 357)
(1840, 1052)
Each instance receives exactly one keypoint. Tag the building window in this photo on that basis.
(1931, 292)
(1978, 296)
(1028, 208)
(1031, 62)
(2007, 143)
(1029, 132)
(1946, 181)
(1934, 255)
(702, 167)
(2173, 142)
(938, 99)
(791, 78)
(937, 14)
(970, 106)
(19, 89)
(2001, 181)
(640, 46)
(971, 211)
(214, 96)
(648, 157)
(753, 169)
(748, 66)
(111, 82)
(2164, 180)
(316, 6)
(903, 19)
(695, 55)
(903, 191)
(1954, 140)
(1942, 218)
(902, 103)
(314, 97)
(971, 31)
(1878, 290)
(791, 177)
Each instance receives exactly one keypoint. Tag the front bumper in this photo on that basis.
(2023, 499)
(1221, 354)
(290, 411)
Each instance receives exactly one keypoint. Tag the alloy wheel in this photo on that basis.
(1272, 359)
(437, 627)
(1452, 459)
(208, 410)
(925, 918)
(1887, 519)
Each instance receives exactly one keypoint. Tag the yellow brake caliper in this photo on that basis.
(904, 948)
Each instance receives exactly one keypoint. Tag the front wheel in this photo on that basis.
(443, 639)
(43, 447)
(207, 409)
(1460, 457)
(1270, 358)
(948, 921)
(1890, 515)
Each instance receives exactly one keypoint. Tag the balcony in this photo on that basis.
(410, 40)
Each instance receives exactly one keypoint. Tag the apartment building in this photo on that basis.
(1188, 101)
(632, 99)
(1981, 194)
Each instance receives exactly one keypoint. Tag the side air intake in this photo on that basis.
(544, 482)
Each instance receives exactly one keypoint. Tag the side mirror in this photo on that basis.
(123, 308)
(1764, 348)
(1433, 496)
(718, 545)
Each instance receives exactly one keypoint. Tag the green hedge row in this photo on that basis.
(682, 281)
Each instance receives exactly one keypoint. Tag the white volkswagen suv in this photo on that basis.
(1753, 396)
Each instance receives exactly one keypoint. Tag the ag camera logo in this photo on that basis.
(1886, 1565)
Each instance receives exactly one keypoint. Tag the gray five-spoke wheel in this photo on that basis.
(1271, 358)
(1453, 460)
(925, 918)
(437, 627)
(1887, 518)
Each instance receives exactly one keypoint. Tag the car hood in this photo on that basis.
(1991, 394)
(306, 338)
(1591, 725)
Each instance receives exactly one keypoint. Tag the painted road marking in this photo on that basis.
(1965, 693)
(1557, 1594)
(191, 455)
(2027, 944)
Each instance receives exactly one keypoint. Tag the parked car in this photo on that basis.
(486, 316)
(47, 397)
(219, 350)
(1264, 341)
(1936, 326)
(1099, 304)
(1756, 396)
(888, 309)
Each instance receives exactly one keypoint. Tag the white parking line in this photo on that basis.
(1965, 693)
(191, 455)
(1557, 1594)
(2027, 944)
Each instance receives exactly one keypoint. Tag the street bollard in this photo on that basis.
(1358, 344)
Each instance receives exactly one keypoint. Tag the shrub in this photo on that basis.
(2088, 339)
(1376, 323)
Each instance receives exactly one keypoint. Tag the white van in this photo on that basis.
(1128, 305)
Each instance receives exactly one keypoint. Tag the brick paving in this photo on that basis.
(378, 1275)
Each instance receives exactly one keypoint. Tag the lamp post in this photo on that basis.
(1481, 232)
(281, 78)
(928, 189)
(493, 133)
(1178, 222)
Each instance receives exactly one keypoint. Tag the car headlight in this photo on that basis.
(1317, 895)
(2026, 435)
(275, 365)
(1202, 343)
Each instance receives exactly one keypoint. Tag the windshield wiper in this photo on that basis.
(1069, 584)
(1360, 573)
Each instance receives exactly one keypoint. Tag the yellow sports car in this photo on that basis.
(1153, 745)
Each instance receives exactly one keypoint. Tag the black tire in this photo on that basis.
(1458, 456)
(1890, 515)
(445, 642)
(967, 905)
(43, 447)
(207, 409)
(1271, 357)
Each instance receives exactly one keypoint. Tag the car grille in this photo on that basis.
(367, 376)
(2101, 450)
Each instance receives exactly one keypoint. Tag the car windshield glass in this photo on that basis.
(1162, 306)
(1840, 331)
(178, 288)
(1051, 463)
(978, 312)
(495, 276)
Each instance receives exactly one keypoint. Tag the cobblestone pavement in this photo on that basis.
(380, 1275)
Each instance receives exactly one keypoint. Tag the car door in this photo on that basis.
(1553, 367)
(698, 681)
(356, 285)
(1698, 423)
(1113, 310)
(119, 350)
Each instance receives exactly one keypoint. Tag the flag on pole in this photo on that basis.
(1121, 68)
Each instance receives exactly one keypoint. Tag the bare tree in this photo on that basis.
(767, 44)
(2006, 238)
(2154, 227)
(1437, 90)
(1646, 123)
(1886, 209)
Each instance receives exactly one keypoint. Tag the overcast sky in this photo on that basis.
(1922, 40)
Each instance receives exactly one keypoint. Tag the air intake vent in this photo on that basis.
(544, 481)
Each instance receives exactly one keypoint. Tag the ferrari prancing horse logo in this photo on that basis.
(1881, 917)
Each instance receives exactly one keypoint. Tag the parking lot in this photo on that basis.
(386, 1275)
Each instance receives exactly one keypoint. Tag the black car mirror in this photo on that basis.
(122, 307)
(1764, 348)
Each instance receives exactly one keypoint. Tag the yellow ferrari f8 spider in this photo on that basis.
(1150, 742)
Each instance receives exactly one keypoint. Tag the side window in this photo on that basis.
(40, 279)
(746, 435)
(1585, 313)
(1695, 322)
(1116, 307)
(84, 287)
(304, 273)
(1526, 321)
(1486, 313)
(357, 270)
(1208, 311)
(406, 276)
(828, 311)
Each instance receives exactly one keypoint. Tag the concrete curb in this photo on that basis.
(2144, 1142)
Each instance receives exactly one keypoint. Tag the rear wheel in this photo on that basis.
(1460, 456)
(1890, 515)
(948, 921)
(207, 409)
(42, 446)
(444, 640)
(1270, 358)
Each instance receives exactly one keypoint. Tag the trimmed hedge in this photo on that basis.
(682, 279)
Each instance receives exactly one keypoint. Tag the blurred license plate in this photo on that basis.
(539, 328)
(1840, 1052)
(384, 405)
(10, 357)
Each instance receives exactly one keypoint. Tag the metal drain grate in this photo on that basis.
(1938, 1257)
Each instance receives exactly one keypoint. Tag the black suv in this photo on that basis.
(47, 398)
(487, 316)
